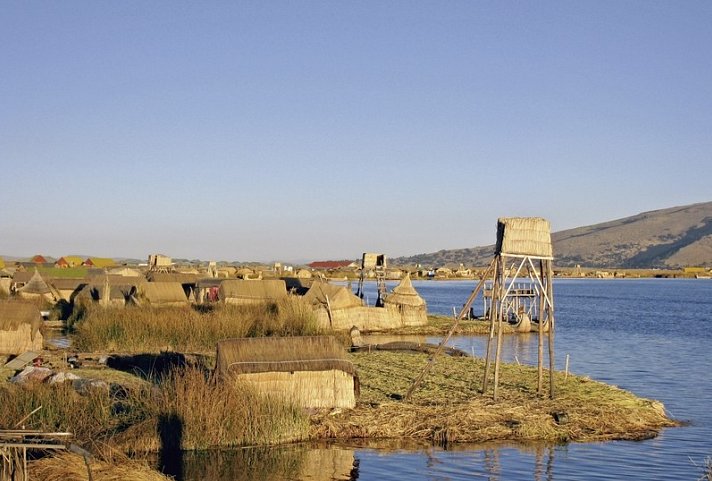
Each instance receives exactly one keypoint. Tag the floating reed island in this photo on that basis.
(450, 407)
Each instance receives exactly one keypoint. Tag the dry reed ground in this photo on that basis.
(440, 325)
(448, 407)
(72, 467)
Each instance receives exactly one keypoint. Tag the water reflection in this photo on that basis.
(372, 459)
(293, 462)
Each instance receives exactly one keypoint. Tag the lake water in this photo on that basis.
(650, 336)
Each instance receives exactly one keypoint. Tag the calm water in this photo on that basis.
(651, 337)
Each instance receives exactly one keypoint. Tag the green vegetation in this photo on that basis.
(63, 272)
(143, 329)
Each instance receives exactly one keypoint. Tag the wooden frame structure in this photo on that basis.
(527, 242)
(15, 443)
(377, 264)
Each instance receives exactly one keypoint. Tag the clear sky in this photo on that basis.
(306, 130)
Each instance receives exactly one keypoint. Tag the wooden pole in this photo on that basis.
(444, 341)
(498, 354)
(540, 337)
(492, 317)
(550, 295)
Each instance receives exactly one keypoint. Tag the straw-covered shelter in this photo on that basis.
(241, 292)
(68, 288)
(313, 372)
(336, 307)
(125, 272)
(331, 296)
(119, 295)
(162, 294)
(524, 236)
(19, 327)
(407, 303)
(37, 289)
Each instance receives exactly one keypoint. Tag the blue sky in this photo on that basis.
(314, 130)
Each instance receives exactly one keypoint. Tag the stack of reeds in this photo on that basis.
(530, 236)
(312, 371)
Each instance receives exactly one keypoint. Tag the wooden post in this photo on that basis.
(550, 295)
(540, 336)
(492, 317)
(498, 353)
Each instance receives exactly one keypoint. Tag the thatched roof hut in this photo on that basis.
(238, 291)
(407, 302)
(524, 236)
(313, 372)
(118, 294)
(331, 295)
(125, 272)
(162, 294)
(19, 327)
(68, 288)
(37, 289)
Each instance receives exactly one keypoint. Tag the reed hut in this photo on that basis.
(67, 288)
(242, 292)
(331, 296)
(404, 301)
(37, 289)
(106, 294)
(19, 327)
(312, 372)
(162, 294)
(125, 272)
(336, 307)
(187, 281)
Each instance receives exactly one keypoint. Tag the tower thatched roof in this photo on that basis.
(524, 236)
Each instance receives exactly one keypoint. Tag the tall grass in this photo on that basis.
(93, 415)
(145, 329)
(211, 412)
(187, 409)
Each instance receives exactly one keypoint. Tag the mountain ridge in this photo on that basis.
(673, 237)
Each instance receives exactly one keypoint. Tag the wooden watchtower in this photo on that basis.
(375, 263)
(523, 249)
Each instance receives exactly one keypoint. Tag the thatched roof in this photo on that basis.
(155, 276)
(281, 354)
(116, 280)
(100, 262)
(528, 236)
(68, 283)
(267, 290)
(95, 292)
(13, 314)
(36, 285)
(405, 294)
(340, 297)
(125, 272)
(158, 293)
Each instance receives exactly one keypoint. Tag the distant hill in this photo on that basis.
(666, 238)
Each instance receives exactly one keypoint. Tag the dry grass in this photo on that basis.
(448, 407)
(193, 410)
(440, 325)
(184, 329)
(72, 467)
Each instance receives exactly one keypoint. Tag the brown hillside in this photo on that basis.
(673, 237)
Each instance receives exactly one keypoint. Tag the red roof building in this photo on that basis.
(38, 259)
(332, 264)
